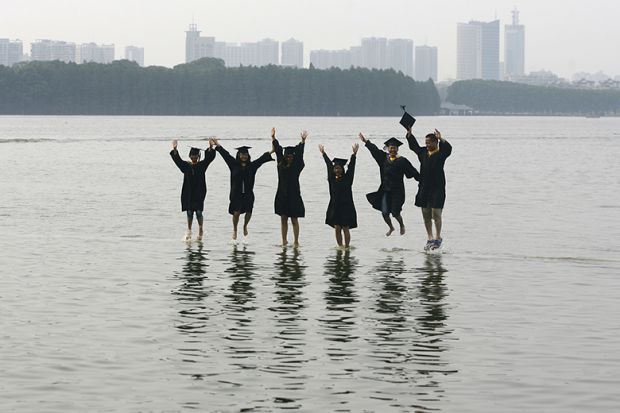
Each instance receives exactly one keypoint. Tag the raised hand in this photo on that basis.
(215, 141)
(174, 143)
(273, 133)
(355, 148)
(304, 135)
(362, 137)
(322, 149)
(438, 134)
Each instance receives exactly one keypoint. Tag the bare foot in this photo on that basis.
(234, 237)
(199, 234)
(402, 230)
(245, 231)
(284, 243)
(296, 245)
(387, 234)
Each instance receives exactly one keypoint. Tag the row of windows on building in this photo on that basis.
(11, 52)
(372, 53)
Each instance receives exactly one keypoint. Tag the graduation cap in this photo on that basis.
(392, 142)
(194, 151)
(243, 149)
(407, 120)
(340, 161)
(289, 150)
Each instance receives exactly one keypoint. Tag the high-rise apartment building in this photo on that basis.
(11, 52)
(135, 54)
(92, 52)
(514, 47)
(196, 46)
(374, 52)
(326, 59)
(292, 53)
(425, 63)
(268, 52)
(478, 50)
(47, 50)
(400, 55)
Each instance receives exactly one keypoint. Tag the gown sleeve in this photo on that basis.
(278, 150)
(299, 155)
(209, 157)
(415, 146)
(351, 169)
(376, 153)
(181, 164)
(329, 165)
(230, 161)
(409, 170)
(445, 148)
(264, 158)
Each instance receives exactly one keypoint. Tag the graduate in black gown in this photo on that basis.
(194, 184)
(390, 196)
(341, 214)
(431, 194)
(242, 176)
(288, 202)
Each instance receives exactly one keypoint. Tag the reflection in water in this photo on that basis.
(288, 354)
(192, 292)
(340, 299)
(411, 329)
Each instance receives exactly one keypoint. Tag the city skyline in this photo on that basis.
(552, 47)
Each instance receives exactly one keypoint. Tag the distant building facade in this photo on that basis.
(325, 59)
(514, 47)
(478, 50)
(400, 55)
(135, 54)
(425, 63)
(292, 53)
(92, 52)
(11, 52)
(48, 50)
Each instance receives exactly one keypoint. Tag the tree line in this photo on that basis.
(207, 87)
(495, 97)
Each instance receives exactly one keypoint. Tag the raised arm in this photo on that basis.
(276, 146)
(209, 156)
(351, 169)
(299, 151)
(264, 158)
(413, 144)
(228, 158)
(174, 154)
(328, 162)
(444, 146)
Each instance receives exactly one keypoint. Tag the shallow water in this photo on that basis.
(104, 308)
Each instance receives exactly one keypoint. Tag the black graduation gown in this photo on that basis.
(242, 181)
(341, 209)
(194, 180)
(392, 173)
(288, 200)
(432, 186)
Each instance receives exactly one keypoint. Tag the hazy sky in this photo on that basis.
(565, 36)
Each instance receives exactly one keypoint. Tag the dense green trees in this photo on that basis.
(206, 87)
(515, 98)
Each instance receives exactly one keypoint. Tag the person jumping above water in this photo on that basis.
(341, 214)
(288, 202)
(431, 194)
(194, 184)
(390, 196)
(242, 176)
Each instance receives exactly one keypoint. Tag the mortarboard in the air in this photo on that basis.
(407, 120)
(194, 151)
(392, 142)
(289, 150)
(340, 161)
(243, 149)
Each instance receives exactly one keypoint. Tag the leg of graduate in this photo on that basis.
(347, 236)
(428, 222)
(338, 230)
(399, 218)
(235, 221)
(284, 228)
(200, 220)
(246, 221)
(295, 222)
(388, 221)
(436, 214)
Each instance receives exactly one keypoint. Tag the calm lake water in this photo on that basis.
(104, 308)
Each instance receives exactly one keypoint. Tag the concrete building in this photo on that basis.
(326, 59)
(196, 46)
(425, 63)
(48, 50)
(374, 53)
(478, 50)
(400, 55)
(292, 53)
(135, 54)
(92, 52)
(11, 52)
(514, 47)
(268, 52)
